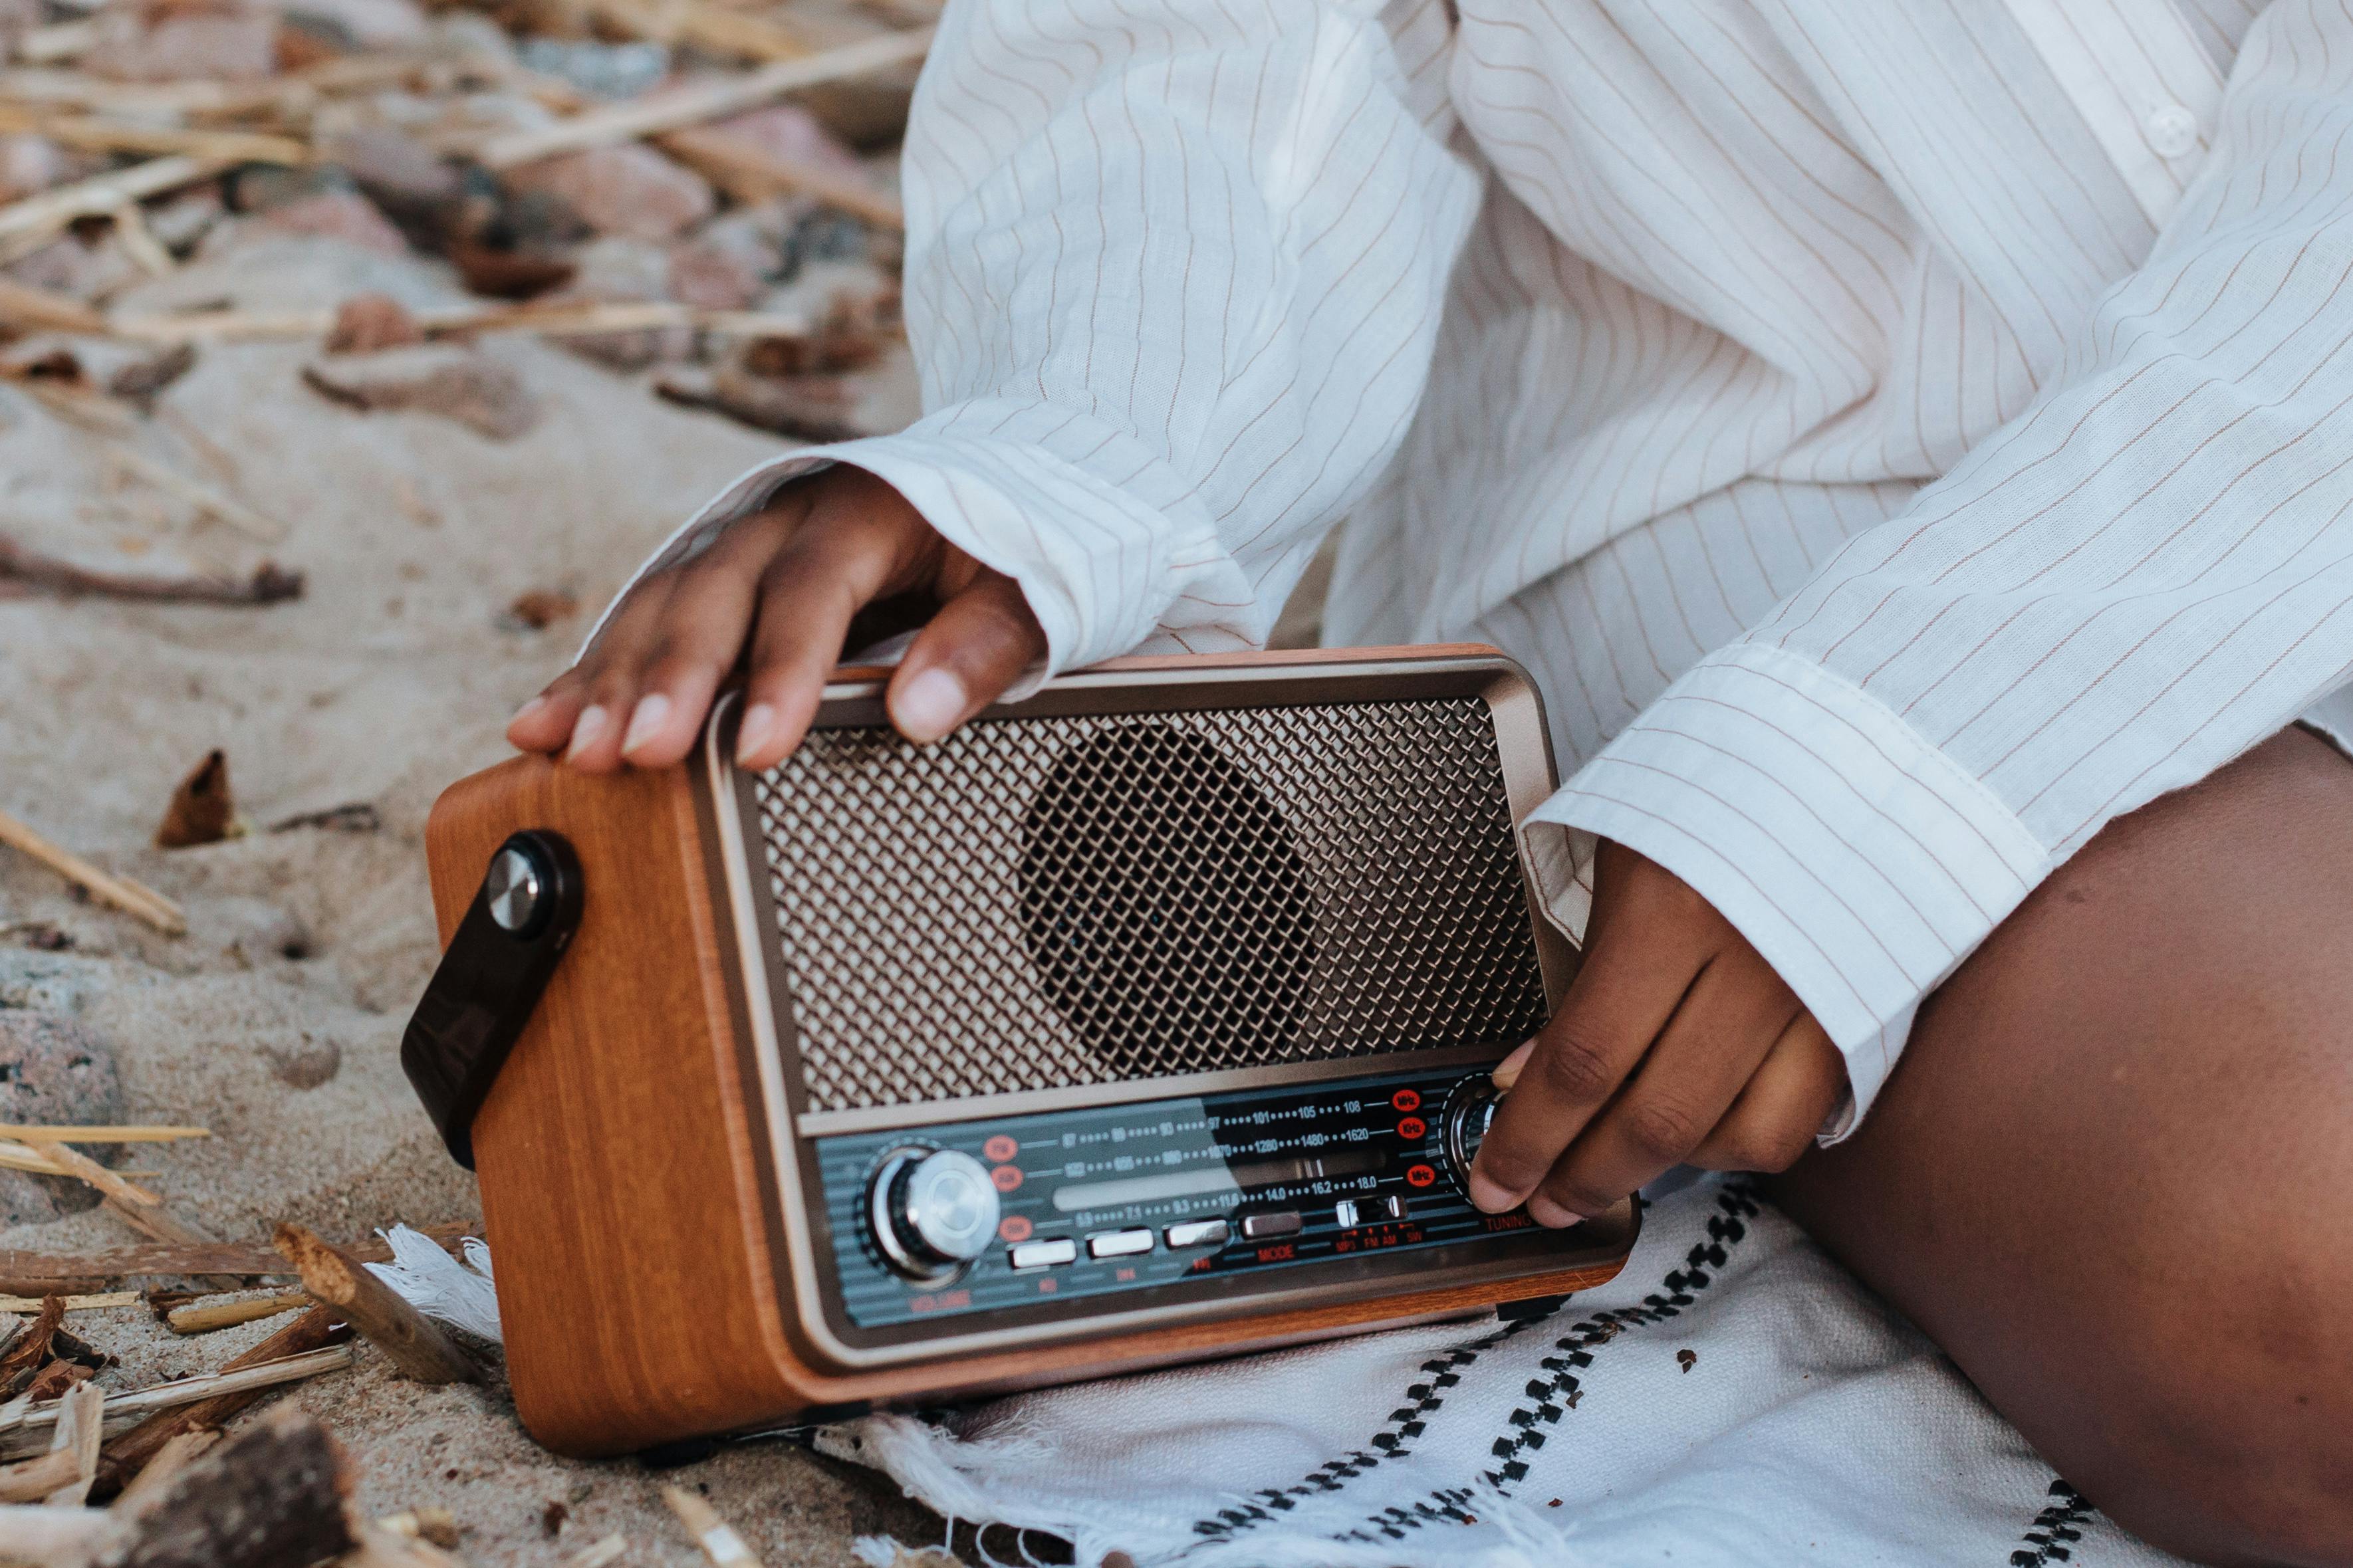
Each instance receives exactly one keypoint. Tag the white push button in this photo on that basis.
(1044, 1254)
(1197, 1233)
(2172, 131)
(1119, 1243)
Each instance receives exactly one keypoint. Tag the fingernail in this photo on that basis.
(527, 709)
(651, 710)
(930, 705)
(1507, 1071)
(1487, 1195)
(758, 727)
(587, 729)
(1550, 1214)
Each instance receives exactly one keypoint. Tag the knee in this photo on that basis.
(2231, 1440)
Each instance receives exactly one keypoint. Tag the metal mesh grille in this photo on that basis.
(1036, 903)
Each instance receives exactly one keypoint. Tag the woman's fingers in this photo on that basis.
(835, 567)
(976, 646)
(1787, 1098)
(1692, 1074)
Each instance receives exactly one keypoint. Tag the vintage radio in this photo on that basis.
(1147, 1019)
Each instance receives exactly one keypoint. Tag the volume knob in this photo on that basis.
(933, 1212)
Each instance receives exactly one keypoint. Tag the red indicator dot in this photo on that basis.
(1013, 1227)
(1411, 1128)
(1407, 1099)
(1001, 1148)
(1006, 1177)
(1419, 1175)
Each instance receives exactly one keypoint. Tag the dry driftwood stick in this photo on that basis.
(223, 1258)
(705, 101)
(750, 175)
(200, 495)
(169, 1460)
(36, 1478)
(600, 1555)
(276, 1495)
(63, 1132)
(267, 584)
(46, 1160)
(104, 134)
(65, 1537)
(25, 1426)
(715, 27)
(203, 1317)
(376, 1309)
(27, 1347)
(138, 1206)
(126, 1456)
(120, 891)
(80, 1428)
(100, 193)
(84, 1303)
(22, 305)
(720, 1544)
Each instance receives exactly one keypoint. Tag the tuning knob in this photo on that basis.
(1468, 1110)
(933, 1212)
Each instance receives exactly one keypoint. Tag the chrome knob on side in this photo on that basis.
(933, 1211)
(1468, 1110)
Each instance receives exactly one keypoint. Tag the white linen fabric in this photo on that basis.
(1900, 435)
(1733, 1399)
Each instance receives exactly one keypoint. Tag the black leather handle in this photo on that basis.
(522, 918)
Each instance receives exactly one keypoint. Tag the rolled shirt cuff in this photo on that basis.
(1859, 861)
(1024, 489)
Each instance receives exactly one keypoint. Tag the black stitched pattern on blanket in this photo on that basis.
(1735, 1205)
(2054, 1530)
(1549, 1398)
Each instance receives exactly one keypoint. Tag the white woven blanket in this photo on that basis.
(1734, 1398)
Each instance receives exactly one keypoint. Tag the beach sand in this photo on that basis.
(392, 675)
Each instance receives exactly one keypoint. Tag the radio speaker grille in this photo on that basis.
(1036, 903)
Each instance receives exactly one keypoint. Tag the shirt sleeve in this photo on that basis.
(2142, 576)
(1174, 272)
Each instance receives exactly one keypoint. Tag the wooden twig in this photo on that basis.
(143, 1210)
(750, 175)
(376, 1309)
(127, 1455)
(268, 584)
(80, 1430)
(276, 1495)
(104, 134)
(600, 1555)
(43, 309)
(123, 893)
(203, 1317)
(28, 1428)
(703, 101)
(82, 1304)
(63, 1132)
(200, 495)
(100, 193)
(713, 27)
(169, 1460)
(39, 1534)
(223, 1258)
(564, 319)
(34, 1479)
(44, 1161)
(720, 1544)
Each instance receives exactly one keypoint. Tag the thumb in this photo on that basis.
(976, 646)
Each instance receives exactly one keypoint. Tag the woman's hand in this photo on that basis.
(1677, 1044)
(777, 591)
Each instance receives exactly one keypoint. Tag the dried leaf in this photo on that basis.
(202, 810)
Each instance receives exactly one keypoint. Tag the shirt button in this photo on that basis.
(2172, 131)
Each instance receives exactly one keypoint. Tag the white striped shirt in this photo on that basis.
(1900, 435)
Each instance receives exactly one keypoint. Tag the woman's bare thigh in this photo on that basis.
(2113, 1174)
